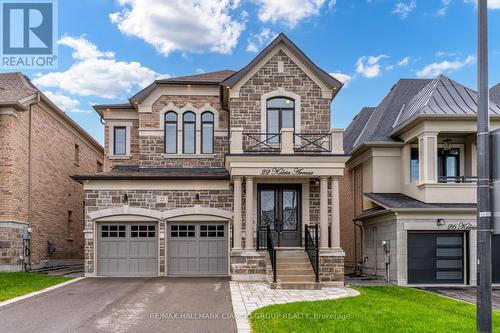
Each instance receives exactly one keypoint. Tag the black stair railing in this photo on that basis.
(272, 250)
(312, 247)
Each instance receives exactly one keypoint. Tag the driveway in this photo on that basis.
(126, 305)
(466, 294)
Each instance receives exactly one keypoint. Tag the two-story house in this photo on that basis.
(41, 207)
(413, 172)
(222, 174)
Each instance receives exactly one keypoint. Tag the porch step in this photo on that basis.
(291, 254)
(292, 265)
(296, 285)
(293, 260)
(297, 278)
(294, 271)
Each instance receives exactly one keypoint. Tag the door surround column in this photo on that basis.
(249, 213)
(237, 214)
(323, 212)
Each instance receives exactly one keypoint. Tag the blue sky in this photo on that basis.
(108, 49)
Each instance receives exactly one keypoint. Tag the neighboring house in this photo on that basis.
(40, 149)
(413, 173)
(196, 165)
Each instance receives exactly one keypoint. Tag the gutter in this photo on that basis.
(82, 178)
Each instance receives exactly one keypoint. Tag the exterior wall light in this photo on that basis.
(447, 144)
(440, 222)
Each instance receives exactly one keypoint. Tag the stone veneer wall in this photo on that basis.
(315, 110)
(248, 267)
(149, 199)
(11, 245)
(331, 269)
(134, 145)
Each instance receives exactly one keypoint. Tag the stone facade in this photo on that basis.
(36, 188)
(331, 270)
(315, 110)
(11, 245)
(249, 266)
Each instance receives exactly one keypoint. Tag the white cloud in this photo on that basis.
(438, 68)
(290, 12)
(256, 41)
(403, 9)
(492, 4)
(445, 54)
(344, 78)
(443, 10)
(369, 66)
(65, 103)
(185, 25)
(96, 73)
(404, 62)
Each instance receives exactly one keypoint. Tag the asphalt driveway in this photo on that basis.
(467, 294)
(126, 305)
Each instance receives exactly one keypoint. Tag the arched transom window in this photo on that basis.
(280, 114)
(170, 132)
(189, 133)
(207, 133)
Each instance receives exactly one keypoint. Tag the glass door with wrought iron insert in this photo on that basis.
(279, 207)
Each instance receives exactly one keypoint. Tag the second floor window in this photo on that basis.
(414, 165)
(207, 133)
(119, 140)
(77, 154)
(189, 133)
(280, 114)
(171, 133)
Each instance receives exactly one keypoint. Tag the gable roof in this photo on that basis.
(329, 80)
(210, 78)
(495, 93)
(442, 96)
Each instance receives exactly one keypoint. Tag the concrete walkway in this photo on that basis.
(467, 294)
(249, 296)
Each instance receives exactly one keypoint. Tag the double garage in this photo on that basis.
(193, 248)
(442, 258)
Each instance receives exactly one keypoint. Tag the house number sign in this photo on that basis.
(461, 226)
(286, 172)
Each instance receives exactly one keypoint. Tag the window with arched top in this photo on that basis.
(207, 132)
(189, 133)
(170, 143)
(280, 114)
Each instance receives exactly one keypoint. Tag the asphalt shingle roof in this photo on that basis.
(355, 128)
(14, 87)
(398, 200)
(495, 93)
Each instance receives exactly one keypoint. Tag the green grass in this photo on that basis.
(377, 309)
(17, 284)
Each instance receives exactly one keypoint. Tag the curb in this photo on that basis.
(38, 292)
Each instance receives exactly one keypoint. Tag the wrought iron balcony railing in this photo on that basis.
(456, 180)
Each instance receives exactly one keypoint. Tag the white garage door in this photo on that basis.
(197, 249)
(127, 249)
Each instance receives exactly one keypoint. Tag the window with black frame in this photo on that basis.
(207, 133)
(170, 132)
(119, 140)
(449, 165)
(189, 133)
(280, 114)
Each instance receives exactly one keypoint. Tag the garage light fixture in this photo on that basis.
(440, 222)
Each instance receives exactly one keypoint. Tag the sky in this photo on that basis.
(110, 49)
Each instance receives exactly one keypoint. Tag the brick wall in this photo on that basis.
(315, 110)
(54, 193)
(347, 227)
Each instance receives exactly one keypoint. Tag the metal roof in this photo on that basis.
(495, 93)
(442, 96)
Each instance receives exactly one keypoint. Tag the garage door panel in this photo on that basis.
(127, 249)
(197, 248)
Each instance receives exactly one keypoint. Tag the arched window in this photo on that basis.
(170, 133)
(207, 133)
(189, 133)
(280, 114)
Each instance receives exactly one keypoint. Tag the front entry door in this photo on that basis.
(279, 207)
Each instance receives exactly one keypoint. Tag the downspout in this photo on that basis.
(30, 147)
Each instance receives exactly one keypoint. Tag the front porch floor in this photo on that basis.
(250, 296)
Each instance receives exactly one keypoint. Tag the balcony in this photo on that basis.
(287, 142)
(457, 180)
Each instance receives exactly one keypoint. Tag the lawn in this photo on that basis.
(17, 284)
(376, 309)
